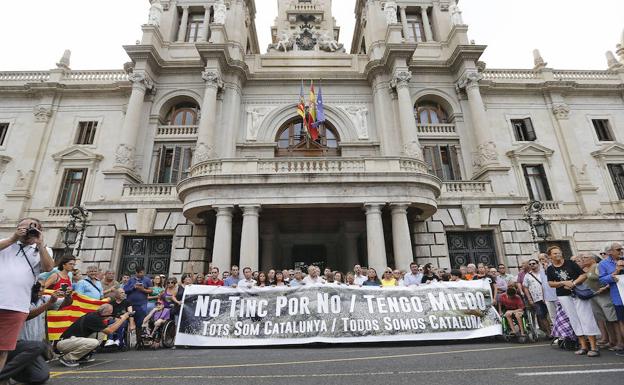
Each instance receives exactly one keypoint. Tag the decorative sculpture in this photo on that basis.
(456, 15)
(612, 62)
(64, 62)
(538, 60)
(390, 9)
(326, 43)
(219, 12)
(155, 13)
(285, 43)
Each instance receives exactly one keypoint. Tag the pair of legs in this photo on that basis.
(26, 364)
(75, 348)
(583, 323)
(517, 314)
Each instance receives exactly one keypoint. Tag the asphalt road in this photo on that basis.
(409, 363)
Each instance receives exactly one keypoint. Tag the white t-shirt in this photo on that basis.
(359, 279)
(17, 277)
(535, 287)
(313, 281)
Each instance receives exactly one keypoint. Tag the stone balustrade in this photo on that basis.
(30, 76)
(574, 75)
(87, 76)
(59, 212)
(177, 132)
(467, 187)
(149, 192)
(551, 206)
(439, 129)
(509, 74)
(308, 166)
(96, 76)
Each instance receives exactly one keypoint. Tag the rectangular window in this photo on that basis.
(173, 163)
(603, 131)
(617, 173)
(86, 132)
(415, 31)
(523, 130)
(4, 130)
(443, 161)
(193, 29)
(536, 181)
(72, 187)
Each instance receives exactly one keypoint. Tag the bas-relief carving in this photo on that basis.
(42, 113)
(358, 115)
(203, 152)
(219, 12)
(255, 117)
(124, 156)
(390, 10)
(23, 179)
(485, 155)
(561, 111)
(155, 13)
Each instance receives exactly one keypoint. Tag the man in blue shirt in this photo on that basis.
(232, 280)
(609, 269)
(137, 289)
(90, 285)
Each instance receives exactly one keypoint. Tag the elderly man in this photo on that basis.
(610, 270)
(109, 284)
(85, 334)
(313, 277)
(471, 271)
(360, 275)
(23, 256)
(90, 286)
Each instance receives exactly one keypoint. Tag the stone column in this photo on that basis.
(226, 141)
(183, 24)
(375, 238)
(409, 132)
(426, 25)
(206, 24)
(485, 153)
(222, 246)
(208, 122)
(351, 255)
(268, 258)
(125, 152)
(401, 240)
(404, 22)
(249, 237)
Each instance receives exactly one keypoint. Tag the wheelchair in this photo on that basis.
(528, 322)
(127, 340)
(163, 337)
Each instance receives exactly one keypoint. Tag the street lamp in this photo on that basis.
(74, 230)
(540, 227)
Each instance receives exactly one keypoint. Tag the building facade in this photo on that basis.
(194, 152)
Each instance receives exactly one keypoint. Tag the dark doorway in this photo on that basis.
(153, 253)
(306, 255)
(471, 247)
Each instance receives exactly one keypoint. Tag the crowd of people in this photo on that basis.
(573, 299)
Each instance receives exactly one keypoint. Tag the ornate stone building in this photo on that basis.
(195, 152)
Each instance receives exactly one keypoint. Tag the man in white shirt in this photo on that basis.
(23, 257)
(247, 282)
(313, 277)
(360, 275)
(414, 277)
(534, 293)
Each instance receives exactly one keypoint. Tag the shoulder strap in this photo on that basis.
(93, 284)
(534, 277)
(27, 261)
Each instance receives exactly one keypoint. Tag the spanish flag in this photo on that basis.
(60, 320)
(312, 113)
(302, 111)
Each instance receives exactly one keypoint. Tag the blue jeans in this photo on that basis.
(140, 314)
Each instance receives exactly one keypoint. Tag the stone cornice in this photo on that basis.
(391, 54)
(210, 52)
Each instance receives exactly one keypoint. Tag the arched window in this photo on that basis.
(430, 113)
(292, 140)
(183, 114)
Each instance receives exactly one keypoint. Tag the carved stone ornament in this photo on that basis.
(42, 113)
(219, 12)
(412, 150)
(358, 116)
(538, 60)
(285, 43)
(65, 59)
(306, 41)
(23, 179)
(401, 79)
(255, 117)
(612, 62)
(581, 176)
(212, 78)
(203, 152)
(561, 111)
(456, 15)
(390, 9)
(470, 79)
(327, 44)
(155, 13)
(139, 79)
(485, 155)
(124, 156)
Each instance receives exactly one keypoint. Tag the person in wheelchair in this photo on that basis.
(152, 324)
(511, 306)
(121, 306)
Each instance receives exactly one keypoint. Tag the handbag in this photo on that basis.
(583, 292)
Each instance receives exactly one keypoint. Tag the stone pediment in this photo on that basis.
(530, 150)
(76, 156)
(613, 150)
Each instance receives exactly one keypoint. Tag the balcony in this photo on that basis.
(59, 213)
(436, 130)
(306, 182)
(467, 187)
(176, 133)
(149, 193)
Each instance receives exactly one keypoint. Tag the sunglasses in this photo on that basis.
(532, 264)
(171, 282)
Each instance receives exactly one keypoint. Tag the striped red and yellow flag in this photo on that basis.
(60, 320)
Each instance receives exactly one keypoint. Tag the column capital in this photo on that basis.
(373, 208)
(251, 210)
(424, 8)
(401, 78)
(399, 207)
(212, 78)
(140, 80)
(184, 7)
(469, 80)
(224, 210)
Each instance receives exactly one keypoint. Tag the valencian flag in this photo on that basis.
(302, 110)
(60, 320)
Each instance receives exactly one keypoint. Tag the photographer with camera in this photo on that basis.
(23, 256)
(79, 341)
(121, 306)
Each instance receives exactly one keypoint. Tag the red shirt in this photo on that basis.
(511, 303)
(210, 282)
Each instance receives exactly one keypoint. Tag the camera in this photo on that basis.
(63, 287)
(131, 313)
(32, 231)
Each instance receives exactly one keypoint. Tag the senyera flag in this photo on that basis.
(60, 320)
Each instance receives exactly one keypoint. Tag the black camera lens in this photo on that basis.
(32, 230)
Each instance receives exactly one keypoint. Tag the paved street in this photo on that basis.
(484, 362)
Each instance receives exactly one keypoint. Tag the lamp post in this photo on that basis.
(74, 230)
(539, 227)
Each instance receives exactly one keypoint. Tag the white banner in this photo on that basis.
(217, 316)
(620, 285)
